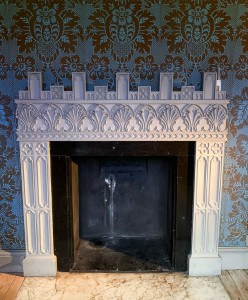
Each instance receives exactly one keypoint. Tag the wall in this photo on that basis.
(140, 37)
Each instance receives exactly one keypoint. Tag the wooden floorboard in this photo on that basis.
(5, 282)
(235, 283)
(14, 288)
(230, 286)
(240, 278)
(9, 286)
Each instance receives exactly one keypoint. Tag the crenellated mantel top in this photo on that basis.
(211, 90)
(122, 114)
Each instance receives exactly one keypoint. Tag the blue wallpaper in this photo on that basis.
(143, 38)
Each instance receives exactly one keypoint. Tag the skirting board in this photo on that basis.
(233, 258)
(11, 261)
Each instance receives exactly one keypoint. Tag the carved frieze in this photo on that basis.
(55, 120)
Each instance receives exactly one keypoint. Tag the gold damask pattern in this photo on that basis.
(197, 27)
(143, 38)
(121, 27)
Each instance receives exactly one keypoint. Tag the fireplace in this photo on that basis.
(101, 116)
(134, 210)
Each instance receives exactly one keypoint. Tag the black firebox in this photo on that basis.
(122, 206)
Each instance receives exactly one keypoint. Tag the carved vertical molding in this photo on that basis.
(36, 190)
(209, 85)
(79, 85)
(204, 259)
(122, 86)
(207, 197)
(35, 85)
(166, 85)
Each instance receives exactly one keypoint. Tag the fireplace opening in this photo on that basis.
(125, 204)
(122, 206)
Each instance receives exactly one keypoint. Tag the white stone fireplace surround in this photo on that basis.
(80, 115)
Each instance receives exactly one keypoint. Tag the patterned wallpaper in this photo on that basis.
(141, 37)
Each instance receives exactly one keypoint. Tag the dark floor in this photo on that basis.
(122, 254)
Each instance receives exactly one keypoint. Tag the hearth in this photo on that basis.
(120, 116)
(134, 211)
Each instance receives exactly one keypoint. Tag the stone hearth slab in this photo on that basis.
(125, 286)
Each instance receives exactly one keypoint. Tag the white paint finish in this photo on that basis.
(38, 214)
(121, 115)
(201, 167)
(174, 121)
(212, 230)
(204, 266)
(144, 92)
(78, 85)
(168, 115)
(31, 231)
(42, 182)
(122, 86)
(198, 95)
(35, 85)
(209, 85)
(216, 116)
(100, 92)
(51, 115)
(28, 184)
(166, 85)
(75, 115)
(187, 92)
(56, 92)
(44, 226)
(220, 95)
(40, 265)
(101, 118)
(214, 181)
(198, 240)
(122, 89)
(206, 218)
(193, 116)
(234, 258)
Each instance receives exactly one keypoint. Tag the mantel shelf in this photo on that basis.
(106, 101)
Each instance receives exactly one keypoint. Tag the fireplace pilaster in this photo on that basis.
(204, 258)
(36, 191)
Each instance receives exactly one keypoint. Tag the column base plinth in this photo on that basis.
(39, 265)
(204, 266)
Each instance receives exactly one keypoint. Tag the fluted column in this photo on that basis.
(204, 258)
(37, 205)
